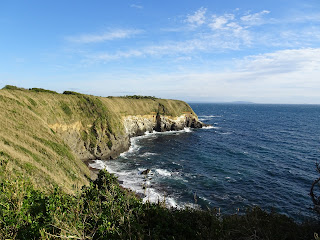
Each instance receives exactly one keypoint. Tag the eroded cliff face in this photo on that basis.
(137, 125)
(47, 136)
(109, 146)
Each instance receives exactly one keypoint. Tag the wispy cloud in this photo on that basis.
(228, 25)
(136, 6)
(221, 22)
(176, 49)
(198, 18)
(283, 62)
(286, 76)
(209, 34)
(106, 36)
(254, 18)
(225, 21)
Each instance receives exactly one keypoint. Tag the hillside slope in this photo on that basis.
(47, 136)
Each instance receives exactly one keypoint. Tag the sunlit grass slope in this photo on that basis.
(29, 145)
(40, 177)
(33, 149)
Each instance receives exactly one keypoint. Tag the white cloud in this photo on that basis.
(204, 43)
(198, 18)
(136, 6)
(106, 36)
(105, 57)
(287, 76)
(255, 18)
(230, 29)
(220, 22)
(284, 61)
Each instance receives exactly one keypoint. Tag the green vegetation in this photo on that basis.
(72, 93)
(139, 97)
(41, 90)
(36, 151)
(10, 87)
(33, 102)
(66, 108)
(104, 210)
(40, 128)
(45, 191)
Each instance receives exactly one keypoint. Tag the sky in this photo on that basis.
(265, 51)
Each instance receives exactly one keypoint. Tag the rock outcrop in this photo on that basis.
(48, 136)
(138, 125)
(116, 144)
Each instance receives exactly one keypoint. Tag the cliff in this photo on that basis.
(48, 136)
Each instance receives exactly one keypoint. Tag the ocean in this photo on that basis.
(254, 154)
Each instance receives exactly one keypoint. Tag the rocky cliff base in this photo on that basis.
(133, 125)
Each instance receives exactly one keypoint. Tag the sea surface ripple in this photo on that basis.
(253, 154)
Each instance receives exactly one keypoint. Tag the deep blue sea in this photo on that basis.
(254, 154)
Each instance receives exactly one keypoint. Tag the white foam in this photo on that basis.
(176, 163)
(230, 179)
(154, 196)
(185, 130)
(99, 164)
(133, 179)
(226, 133)
(209, 116)
(210, 127)
(138, 183)
(147, 154)
(134, 146)
(163, 172)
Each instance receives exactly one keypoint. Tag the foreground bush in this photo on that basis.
(104, 210)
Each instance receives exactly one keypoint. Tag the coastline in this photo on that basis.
(138, 180)
(140, 125)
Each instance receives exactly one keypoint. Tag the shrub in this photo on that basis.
(104, 210)
(139, 97)
(42, 90)
(72, 93)
(11, 87)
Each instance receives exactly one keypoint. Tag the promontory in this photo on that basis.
(49, 136)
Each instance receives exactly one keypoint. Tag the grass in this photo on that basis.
(65, 108)
(104, 210)
(139, 97)
(41, 129)
(35, 151)
(41, 90)
(41, 177)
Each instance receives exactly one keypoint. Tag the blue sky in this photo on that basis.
(214, 51)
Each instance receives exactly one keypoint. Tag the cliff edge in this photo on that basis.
(48, 136)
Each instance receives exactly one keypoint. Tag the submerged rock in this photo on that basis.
(145, 172)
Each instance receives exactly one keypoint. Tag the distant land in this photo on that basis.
(242, 102)
(233, 102)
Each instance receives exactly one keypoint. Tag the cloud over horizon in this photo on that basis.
(105, 36)
(206, 51)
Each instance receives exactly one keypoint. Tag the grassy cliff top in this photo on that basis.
(30, 147)
(34, 160)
